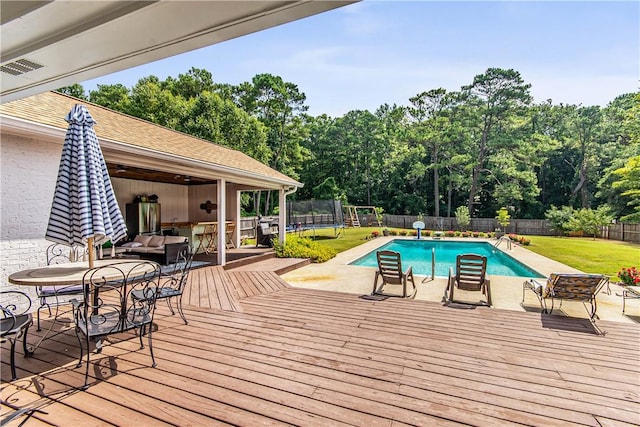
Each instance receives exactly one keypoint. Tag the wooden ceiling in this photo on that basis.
(139, 174)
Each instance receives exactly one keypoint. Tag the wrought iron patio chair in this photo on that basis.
(391, 273)
(567, 286)
(55, 296)
(172, 284)
(108, 307)
(470, 275)
(15, 322)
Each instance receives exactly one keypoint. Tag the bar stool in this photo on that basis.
(208, 238)
(230, 230)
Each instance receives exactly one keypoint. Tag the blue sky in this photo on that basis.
(366, 54)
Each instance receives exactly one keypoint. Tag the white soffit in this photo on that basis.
(46, 45)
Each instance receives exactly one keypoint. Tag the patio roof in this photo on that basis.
(150, 151)
(41, 39)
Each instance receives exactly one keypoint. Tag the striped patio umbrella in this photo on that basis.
(84, 210)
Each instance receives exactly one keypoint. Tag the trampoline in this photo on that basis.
(311, 215)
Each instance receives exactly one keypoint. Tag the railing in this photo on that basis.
(433, 265)
(503, 239)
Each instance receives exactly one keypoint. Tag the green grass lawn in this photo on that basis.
(591, 256)
(349, 237)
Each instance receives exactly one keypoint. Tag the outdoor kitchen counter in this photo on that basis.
(188, 230)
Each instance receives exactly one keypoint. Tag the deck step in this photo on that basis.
(249, 260)
(277, 265)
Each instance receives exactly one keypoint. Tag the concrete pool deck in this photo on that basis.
(506, 292)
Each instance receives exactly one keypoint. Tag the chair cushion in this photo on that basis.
(142, 239)
(59, 290)
(156, 241)
(132, 245)
(173, 239)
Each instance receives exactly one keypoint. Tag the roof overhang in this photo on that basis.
(46, 45)
(119, 153)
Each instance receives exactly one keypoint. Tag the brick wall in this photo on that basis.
(28, 172)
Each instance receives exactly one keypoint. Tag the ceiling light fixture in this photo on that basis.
(120, 169)
(187, 178)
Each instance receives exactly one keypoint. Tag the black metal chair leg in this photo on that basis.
(170, 308)
(179, 306)
(153, 359)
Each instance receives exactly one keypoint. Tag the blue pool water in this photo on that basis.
(417, 253)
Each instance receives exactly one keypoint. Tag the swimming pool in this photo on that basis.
(417, 253)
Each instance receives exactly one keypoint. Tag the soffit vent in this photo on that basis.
(21, 66)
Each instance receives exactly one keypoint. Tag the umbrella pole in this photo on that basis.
(91, 251)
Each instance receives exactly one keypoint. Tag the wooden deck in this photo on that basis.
(269, 354)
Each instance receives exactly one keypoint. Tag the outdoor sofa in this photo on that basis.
(161, 249)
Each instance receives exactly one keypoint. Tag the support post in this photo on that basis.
(222, 219)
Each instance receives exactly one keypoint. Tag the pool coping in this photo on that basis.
(337, 275)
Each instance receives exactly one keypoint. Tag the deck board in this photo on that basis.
(257, 351)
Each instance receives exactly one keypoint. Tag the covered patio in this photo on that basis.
(194, 181)
(278, 355)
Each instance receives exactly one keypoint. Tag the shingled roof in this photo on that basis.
(50, 108)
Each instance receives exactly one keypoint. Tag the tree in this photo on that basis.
(462, 217)
(630, 184)
(430, 128)
(190, 85)
(494, 99)
(559, 218)
(590, 221)
(503, 218)
(150, 101)
(585, 125)
(621, 143)
(115, 97)
(328, 190)
(280, 106)
(75, 90)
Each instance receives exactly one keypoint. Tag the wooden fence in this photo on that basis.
(536, 227)
(622, 231)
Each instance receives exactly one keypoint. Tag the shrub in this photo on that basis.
(590, 220)
(375, 233)
(449, 233)
(403, 232)
(427, 232)
(476, 234)
(393, 232)
(466, 234)
(462, 217)
(559, 218)
(413, 233)
(303, 247)
(457, 233)
(629, 276)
